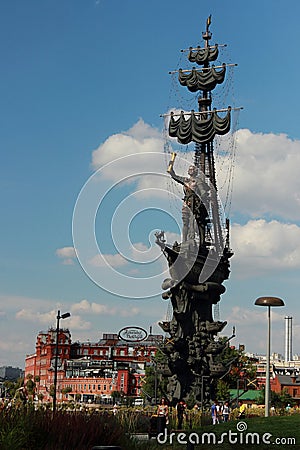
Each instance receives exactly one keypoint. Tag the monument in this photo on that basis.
(199, 264)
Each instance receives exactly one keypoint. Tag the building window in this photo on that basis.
(104, 387)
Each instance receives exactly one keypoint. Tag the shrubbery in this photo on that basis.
(25, 428)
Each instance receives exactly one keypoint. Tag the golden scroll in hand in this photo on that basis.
(171, 163)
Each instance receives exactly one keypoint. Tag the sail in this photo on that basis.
(205, 80)
(198, 130)
(203, 55)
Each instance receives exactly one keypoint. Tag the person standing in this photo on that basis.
(214, 413)
(226, 412)
(162, 415)
(180, 408)
(242, 410)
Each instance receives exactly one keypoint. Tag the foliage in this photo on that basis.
(51, 390)
(223, 390)
(278, 400)
(153, 378)
(191, 401)
(22, 428)
(66, 390)
(149, 384)
(242, 367)
(12, 386)
(117, 394)
(30, 386)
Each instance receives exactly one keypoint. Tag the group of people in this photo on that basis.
(220, 412)
(163, 412)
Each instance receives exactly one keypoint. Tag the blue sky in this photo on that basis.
(83, 83)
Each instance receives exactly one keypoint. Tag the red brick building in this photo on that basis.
(287, 379)
(89, 371)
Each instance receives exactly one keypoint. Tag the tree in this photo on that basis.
(154, 380)
(242, 367)
(117, 394)
(278, 400)
(11, 387)
(223, 390)
(66, 390)
(30, 385)
(51, 391)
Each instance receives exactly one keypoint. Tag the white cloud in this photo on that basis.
(67, 254)
(97, 308)
(265, 184)
(102, 260)
(75, 322)
(251, 328)
(137, 252)
(266, 175)
(253, 316)
(48, 319)
(15, 302)
(141, 138)
(147, 145)
(262, 246)
(35, 316)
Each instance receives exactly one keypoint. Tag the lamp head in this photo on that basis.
(65, 315)
(269, 301)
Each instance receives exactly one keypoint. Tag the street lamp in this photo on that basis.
(268, 301)
(58, 317)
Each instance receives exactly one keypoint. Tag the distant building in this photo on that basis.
(87, 370)
(10, 373)
(287, 379)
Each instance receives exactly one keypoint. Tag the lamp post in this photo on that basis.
(58, 317)
(268, 301)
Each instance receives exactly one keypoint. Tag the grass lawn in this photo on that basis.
(282, 432)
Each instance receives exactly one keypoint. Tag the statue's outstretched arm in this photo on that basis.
(170, 170)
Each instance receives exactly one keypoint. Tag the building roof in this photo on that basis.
(286, 380)
(250, 395)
